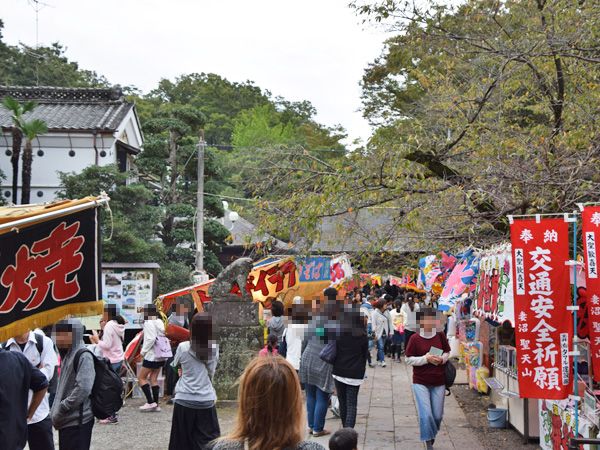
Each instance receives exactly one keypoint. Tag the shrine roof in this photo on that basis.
(70, 109)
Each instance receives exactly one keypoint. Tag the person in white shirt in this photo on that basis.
(381, 328)
(294, 333)
(39, 350)
(409, 309)
(151, 365)
(398, 321)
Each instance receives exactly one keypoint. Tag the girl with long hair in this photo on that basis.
(271, 411)
(195, 421)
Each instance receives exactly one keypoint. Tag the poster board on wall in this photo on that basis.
(494, 297)
(130, 286)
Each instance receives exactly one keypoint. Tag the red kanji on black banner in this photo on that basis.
(47, 265)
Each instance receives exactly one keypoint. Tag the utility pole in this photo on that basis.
(200, 275)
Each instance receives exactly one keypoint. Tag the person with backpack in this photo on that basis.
(111, 346)
(315, 373)
(428, 352)
(39, 350)
(195, 421)
(71, 412)
(154, 329)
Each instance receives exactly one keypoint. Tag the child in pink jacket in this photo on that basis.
(271, 347)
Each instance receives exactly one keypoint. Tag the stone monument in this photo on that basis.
(238, 331)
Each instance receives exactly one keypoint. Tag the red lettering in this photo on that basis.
(48, 265)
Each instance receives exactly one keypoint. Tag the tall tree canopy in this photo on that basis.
(220, 101)
(482, 110)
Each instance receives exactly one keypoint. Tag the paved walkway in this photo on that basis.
(387, 415)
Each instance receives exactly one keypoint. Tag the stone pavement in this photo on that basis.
(387, 415)
(387, 420)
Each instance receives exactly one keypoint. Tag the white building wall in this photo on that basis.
(129, 131)
(65, 152)
(54, 153)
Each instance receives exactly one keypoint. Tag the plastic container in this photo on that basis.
(497, 417)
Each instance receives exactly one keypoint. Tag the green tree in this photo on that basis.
(218, 99)
(133, 218)
(42, 66)
(17, 110)
(131, 227)
(483, 110)
(31, 130)
(170, 157)
(262, 126)
(267, 135)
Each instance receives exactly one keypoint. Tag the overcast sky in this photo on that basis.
(310, 49)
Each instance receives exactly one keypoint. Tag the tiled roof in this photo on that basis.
(70, 109)
(367, 230)
(245, 233)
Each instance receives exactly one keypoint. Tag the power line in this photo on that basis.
(233, 198)
(240, 147)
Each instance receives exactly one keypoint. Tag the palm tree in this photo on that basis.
(31, 130)
(18, 111)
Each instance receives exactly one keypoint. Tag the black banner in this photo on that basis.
(49, 270)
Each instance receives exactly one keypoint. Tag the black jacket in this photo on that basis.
(351, 356)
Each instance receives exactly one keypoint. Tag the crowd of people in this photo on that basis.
(312, 352)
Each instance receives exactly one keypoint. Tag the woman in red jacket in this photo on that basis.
(428, 352)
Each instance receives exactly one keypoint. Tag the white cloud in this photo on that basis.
(312, 49)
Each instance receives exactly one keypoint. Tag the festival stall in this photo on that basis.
(49, 263)
(544, 364)
(407, 281)
(514, 310)
(278, 278)
(493, 303)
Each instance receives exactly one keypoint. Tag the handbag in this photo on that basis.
(162, 348)
(282, 349)
(329, 352)
(335, 405)
(449, 375)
